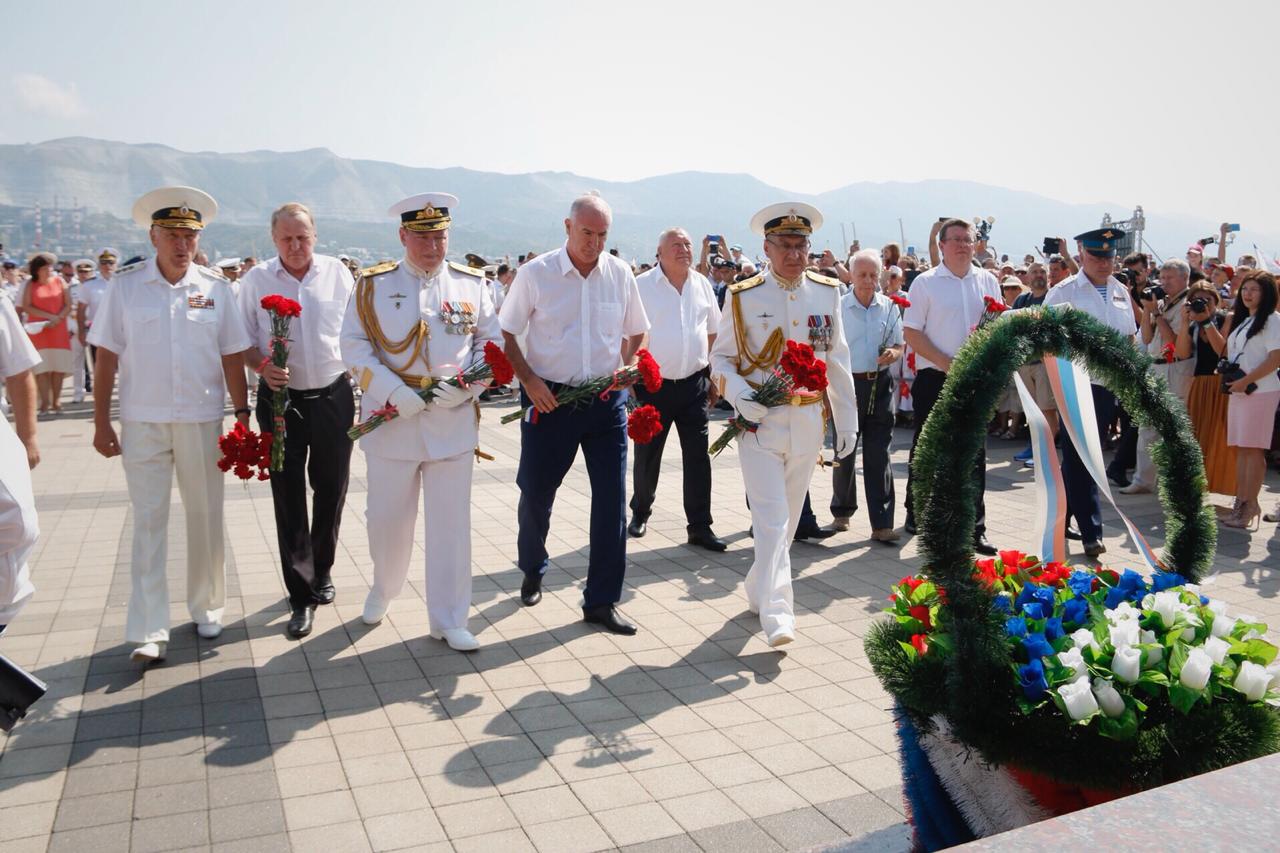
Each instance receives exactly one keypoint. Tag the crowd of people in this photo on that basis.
(182, 336)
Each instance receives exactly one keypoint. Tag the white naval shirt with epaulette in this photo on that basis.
(402, 296)
(170, 339)
(809, 313)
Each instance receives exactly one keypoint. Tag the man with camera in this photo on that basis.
(1162, 315)
(1095, 291)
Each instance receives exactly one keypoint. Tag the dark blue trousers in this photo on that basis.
(547, 450)
(1082, 492)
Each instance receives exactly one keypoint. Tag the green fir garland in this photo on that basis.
(972, 686)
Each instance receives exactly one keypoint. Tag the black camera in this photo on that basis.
(1050, 246)
(1155, 292)
(1199, 304)
(1232, 372)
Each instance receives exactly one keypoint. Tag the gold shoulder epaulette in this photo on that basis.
(463, 268)
(822, 279)
(746, 284)
(379, 269)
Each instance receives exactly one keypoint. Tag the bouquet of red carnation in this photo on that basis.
(282, 310)
(991, 309)
(491, 371)
(644, 423)
(244, 450)
(645, 371)
(798, 374)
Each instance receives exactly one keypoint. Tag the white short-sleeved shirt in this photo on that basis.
(1116, 310)
(680, 321)
(315, 351)
(18, 525)
(91, 294)
(575, 325)
(170, 339)
(947, 308)
(1254, 352)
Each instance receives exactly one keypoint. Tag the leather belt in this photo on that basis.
(870, 374)
(311, 393)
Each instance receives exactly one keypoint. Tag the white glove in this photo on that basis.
(845, 442)
(749, 408)
(448, 395)
(406, 401)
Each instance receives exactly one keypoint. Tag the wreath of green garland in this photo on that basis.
(971, 687)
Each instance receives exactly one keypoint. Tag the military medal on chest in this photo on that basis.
(820, 331)
(459, 317)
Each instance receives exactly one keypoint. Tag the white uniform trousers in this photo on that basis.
(19, 528)
(1178, 375)
(392, 515)
(776, 472)
(152, 453)
(78, 354)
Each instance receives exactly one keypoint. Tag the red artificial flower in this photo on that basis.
(910, 583)
(921, 613)
(921, 644)
(986, 571)
(643, 424)
(650, 371)
(1010, 561)
(501, 368)
(281, 306)
(1168, 352)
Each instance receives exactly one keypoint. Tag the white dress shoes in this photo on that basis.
(148, 653)
(209, 630)
(781, 637)
(374, 611)
(459, 639)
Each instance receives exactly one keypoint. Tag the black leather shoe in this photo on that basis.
(325, 594)
(909, 526)
(704, 538)
(1072, 533)
(531, 590)
(1117, 479)
(301, 622)
(608, 617)
(637, 528)
(1094, 549)
(813, 532)
(983, 547)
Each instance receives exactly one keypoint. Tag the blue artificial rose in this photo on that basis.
(1037, 646)
(1031, 677)
(1001, 603)
(1204, 601)
(1115, 595)
(1133, 585)
(1053, 628)
(1075, 612)
(1016, 626)
(1161, 581)
(1036, 602)
(1081, 582)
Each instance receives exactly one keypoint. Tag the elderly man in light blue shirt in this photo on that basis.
(873, 328)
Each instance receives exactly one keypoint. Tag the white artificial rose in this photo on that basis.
(1127, 664)
(1274, 671)
(1193, 588)
(1223, 625)
(1078, 697)
(1216, 648)
(1084, 637)
(1124, 633)
(1123, 611)
(1218, 607)
(1154, 656)
(1195, 672)
(1188, 635)
(1252, 680)
(1108, 697)
(1074, 660)
(1168, 605)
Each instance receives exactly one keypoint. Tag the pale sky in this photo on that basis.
(1168, 104)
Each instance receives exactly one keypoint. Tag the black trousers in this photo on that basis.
(1082, 492)
(875, 433)
(924, 394)
(682, 403)
(316, 447)
(1126, 457)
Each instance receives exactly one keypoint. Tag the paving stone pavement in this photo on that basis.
(693, 735)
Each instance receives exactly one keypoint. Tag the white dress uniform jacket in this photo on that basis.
(18, 527)
(456, 306)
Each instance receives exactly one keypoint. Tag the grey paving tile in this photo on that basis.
(246, 820)
(100, 839)
(170, 832)
(173, 798)
(801, 828)
(737, 837)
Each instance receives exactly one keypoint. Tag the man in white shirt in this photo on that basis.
(19, 453)
(177, 336)
(684, 317)
(80, 381)
(582, 313)
(761, 315)
(407, 325)
(321, 404)
(91, 294)
(946, 305)
(1098, 293)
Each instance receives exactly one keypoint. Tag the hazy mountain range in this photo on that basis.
(503, 214)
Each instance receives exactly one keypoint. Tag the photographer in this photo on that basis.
(1249, 376)
(1162, 315)
(1204, 336)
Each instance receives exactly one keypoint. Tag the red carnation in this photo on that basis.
(995, 306)
(921, 643)
(498, 364)
(904, 390)
(643, 424)
(900, 301)
(282, 306)
(1169, 354)
(650, 372)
